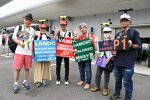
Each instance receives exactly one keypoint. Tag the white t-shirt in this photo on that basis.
(26, 36)
(66, 35)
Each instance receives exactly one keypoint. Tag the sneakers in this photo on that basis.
(38, 84)
(57, 82)
(15, 89)
(94, 89)
(87, 86)
(26, 86)
(105, 92)
(67, 82)
(80, 83)
(115, 97)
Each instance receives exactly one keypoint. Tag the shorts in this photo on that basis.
(21, 61)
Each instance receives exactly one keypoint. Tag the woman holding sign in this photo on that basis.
(42, 70)
(85, 66)
(105, 56)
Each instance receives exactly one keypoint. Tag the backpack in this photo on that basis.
(138, 52)
(13, 45)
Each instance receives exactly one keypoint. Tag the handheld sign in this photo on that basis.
(64, 48)
(105, 45)
(121, 44)
(101, 62)
(45, 50)
(84, 50)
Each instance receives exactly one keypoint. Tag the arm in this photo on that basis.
(15, 38)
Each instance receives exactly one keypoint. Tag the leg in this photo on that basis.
(58, 67)
(26, 74)
(128, 83)
(16, 74)
(66, 61)
(99, 72)
(88, 71)
(106, 79)
(118, 79)
(82, 72)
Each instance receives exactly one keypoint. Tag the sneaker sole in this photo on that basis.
(25, 88)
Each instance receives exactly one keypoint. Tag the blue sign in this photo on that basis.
(105, 45)
(44, 50)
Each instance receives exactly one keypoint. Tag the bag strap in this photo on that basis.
(20, 27)
(63, 36)
(105, 54)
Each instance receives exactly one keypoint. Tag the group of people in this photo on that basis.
(123, 60)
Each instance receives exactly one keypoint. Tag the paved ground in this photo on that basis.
(62, 92)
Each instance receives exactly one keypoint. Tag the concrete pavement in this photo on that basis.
(63, 92)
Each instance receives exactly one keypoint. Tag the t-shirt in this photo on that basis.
(126, 58)
(26, 36)
(84, 36)
(66, 34)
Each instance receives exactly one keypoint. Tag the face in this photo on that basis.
(107, 35)
(124, 23)
(63, 26)
(83, 29)
(27, 22)
(42, 31)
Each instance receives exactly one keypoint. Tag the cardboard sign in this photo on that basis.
(84, 50)
(64, 50)
(45, 50)
(101, 62)
(121, 44)
(65, 40)
(117, 44)
(105, 45)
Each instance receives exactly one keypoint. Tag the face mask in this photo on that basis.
(106, 36)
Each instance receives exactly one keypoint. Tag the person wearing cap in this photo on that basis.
(107, 54)
(42, 70)
(60, 35)
(23, 52)
(125, 59)
(85, 66)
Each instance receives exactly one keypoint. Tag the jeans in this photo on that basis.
(98, 75)
(125, 73)
(58, 68)
(85, 71)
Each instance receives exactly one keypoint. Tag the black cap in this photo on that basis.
(28, 16)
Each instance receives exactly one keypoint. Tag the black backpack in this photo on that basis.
(13, 45)
(138, 52)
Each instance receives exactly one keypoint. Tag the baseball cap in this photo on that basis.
(125, 16)
(43, 26)
(106, 29)
(63, 22)
(28, 16)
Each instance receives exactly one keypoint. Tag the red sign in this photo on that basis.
(64, 50)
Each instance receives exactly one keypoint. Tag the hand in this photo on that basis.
(130, 43)
(75, 32)
(57, 31)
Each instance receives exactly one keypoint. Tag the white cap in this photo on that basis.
(106, 29)
(125, 16)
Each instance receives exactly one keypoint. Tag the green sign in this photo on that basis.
(84, 50)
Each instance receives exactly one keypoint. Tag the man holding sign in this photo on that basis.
(61, 35)
(125, 59)
(85, 66)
